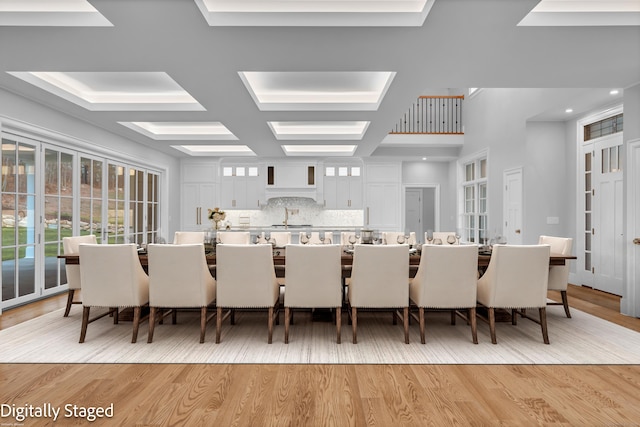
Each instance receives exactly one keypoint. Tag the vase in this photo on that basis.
(217, 225)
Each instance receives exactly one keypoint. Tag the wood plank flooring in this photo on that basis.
(327, 395)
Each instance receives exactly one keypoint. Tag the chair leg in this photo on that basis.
(471, 317)
(233, 316)
(405, 318)
(218, 324)
(565, 303)
(354, 324)
(338, 324)
(543, 324)
(287, 319)
(174, 316)
(270, 324)
(136, 323)
(514, 317)
(492, 324)
(85, 322)
(453, 317)
(203, 322)
(69, 302)
(152, 323)
(421, 320)
(116, 315)
(395, 317)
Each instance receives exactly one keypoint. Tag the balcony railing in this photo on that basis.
(432, 115)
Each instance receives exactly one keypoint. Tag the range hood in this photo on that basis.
(290, 201)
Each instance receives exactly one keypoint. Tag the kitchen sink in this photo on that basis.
(292, 225)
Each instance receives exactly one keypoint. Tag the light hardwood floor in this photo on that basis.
(325, 395)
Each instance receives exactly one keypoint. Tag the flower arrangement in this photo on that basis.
(216, 215)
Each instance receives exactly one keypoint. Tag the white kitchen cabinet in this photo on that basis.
(197, 198)
(342, 187)
(382, 210)
(240, 187)
(291, 175)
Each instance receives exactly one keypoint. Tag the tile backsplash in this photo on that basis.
(308, 212)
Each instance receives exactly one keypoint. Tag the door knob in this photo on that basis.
(636, 241)
(518, 231)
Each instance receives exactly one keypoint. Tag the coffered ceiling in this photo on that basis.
(305, 77)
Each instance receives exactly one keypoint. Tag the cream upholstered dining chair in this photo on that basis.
(112, 277)
(392, 237)
(70, 245)
(314, 238)
(559, 274)
(246, 278)
(380, 279)
(179, 278)
(188, 237)
(280, 238)
(446, 279)
(234, 237)
(516, 279)
(314, 280)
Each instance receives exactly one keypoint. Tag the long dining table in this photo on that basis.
(279, 260)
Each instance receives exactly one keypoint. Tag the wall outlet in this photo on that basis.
(553, 220)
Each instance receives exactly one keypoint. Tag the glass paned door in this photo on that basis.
(18, 221)
(91, 194)
(115, 229)
(58, 213)
(153, 206)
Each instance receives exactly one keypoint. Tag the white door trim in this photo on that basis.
(630, 303)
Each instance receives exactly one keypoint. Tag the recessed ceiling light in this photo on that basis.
(215, 150)
(319, 130)
(182, 130)
(569, 110)
(114, 91)
(319, 150)
(350, 13)
(424, 158)
(317, 91)
(614, 92)
(51, 13)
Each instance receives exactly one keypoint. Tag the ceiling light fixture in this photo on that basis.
(182, 130)
(569, 110)
(614, 92)
(319, 150)
(215, 150)
(309, 130)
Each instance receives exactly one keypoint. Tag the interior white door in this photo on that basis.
(413, 211)
(607, 234)
(513, 206)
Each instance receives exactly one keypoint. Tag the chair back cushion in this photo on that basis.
(234, 237)
(380, 276)
(391, 238)
(179, 276)
(245, 276)
(188, 237)
(558, 274)
(112, 276)
(517, 277)
(313, 276)
(70, 245)
(447, 277)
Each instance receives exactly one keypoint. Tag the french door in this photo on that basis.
(49, 192)
(602, 245)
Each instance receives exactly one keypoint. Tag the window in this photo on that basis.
(603, 127)
(474, 200)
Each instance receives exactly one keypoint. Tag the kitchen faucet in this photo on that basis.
(288, 212)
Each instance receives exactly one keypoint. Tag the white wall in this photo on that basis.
(429, 173)
(503, 121)
(19, 112)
